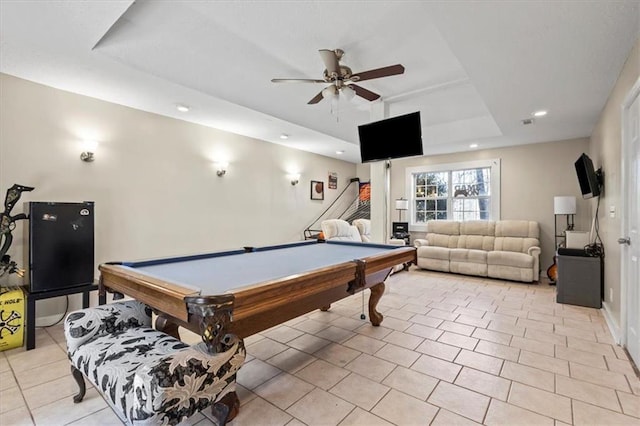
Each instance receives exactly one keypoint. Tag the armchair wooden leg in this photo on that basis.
(226, 409)
(77, 375)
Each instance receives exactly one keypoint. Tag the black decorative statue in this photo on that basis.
(7, 225)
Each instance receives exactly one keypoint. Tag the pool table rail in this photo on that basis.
(160, 295)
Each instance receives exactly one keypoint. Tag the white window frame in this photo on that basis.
(494, 184)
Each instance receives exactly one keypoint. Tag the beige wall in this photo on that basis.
(153, 180)
(531, 175)
(605, 151)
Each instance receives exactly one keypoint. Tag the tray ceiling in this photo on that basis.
(473, 69)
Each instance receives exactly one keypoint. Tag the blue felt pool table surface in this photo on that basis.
(224, 271)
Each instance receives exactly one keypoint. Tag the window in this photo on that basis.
(461, 191)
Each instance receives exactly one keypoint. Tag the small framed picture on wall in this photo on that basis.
(333, 180)
(317, 190)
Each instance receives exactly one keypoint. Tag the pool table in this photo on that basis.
(250, 290)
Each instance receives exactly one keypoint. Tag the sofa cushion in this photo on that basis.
(478, 227)
(433, 264)
(514, 244)
(470, 256)
(476, 242)
(443, 240)
(467, 268)
(510, 258)
(431, 252)
(517, 228)
(510, 273)
(447, 227)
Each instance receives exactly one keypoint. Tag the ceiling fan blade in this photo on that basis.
(364, 93)
(296, 80)
(317, 98)
(330, 61)
(377, 73)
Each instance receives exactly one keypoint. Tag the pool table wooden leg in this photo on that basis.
(376, 293)
(325, 308)
(166, 326)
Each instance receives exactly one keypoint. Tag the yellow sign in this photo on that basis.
(11, 318)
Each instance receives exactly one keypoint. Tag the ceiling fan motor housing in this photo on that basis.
(345, 74)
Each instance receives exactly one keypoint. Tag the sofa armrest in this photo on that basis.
(419, 242)
(396, 242)
(535, 252)
(85, 324)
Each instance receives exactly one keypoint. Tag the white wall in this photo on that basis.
(605, 151)
(153, 180)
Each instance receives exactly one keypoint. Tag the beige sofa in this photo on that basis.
(505, 249)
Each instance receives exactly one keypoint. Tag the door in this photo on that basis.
(630, 241)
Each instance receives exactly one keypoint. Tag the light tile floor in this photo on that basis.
(452, 350)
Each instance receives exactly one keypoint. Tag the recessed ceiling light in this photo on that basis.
(473, 145)
(540, 113)
(340, 152)
(182, 108)
(284, 136)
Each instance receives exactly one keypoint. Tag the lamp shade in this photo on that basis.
(564, 205)
(402, 204)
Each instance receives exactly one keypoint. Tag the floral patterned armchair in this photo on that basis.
(147, 376)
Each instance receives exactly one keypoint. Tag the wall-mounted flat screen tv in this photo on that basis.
(394, 137)
(587, 177)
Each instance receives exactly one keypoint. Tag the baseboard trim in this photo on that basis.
(614, 328)
(50, 320)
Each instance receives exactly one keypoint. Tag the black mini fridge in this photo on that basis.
(60, 245)
(580, 278)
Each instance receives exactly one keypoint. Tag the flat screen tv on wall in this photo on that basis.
(395, 137)
(588, 178)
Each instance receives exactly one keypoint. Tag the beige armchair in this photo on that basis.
(338, 229)
(364, 228)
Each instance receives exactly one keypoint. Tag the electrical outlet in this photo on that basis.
(610, 294)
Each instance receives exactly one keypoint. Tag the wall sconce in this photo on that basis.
(221, 168)
(89, 148)
(401, 204)
(295, 178)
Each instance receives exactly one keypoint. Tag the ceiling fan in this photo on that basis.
(342, 79)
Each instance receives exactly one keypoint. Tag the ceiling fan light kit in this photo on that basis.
(329, 92)
(342, 79)
(348, 93)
